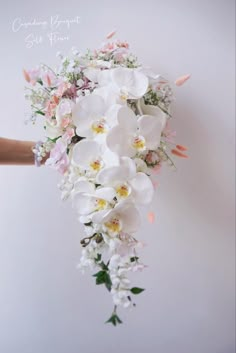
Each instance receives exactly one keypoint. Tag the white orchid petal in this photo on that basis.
(84, 151)
(130, 218)
(135, 82)
(84, 186)
(111, 175)
(119, 142)
(150, 128)
(89, 107)
(154, 111)
(142, 189)
(112, 114)
(127, 119)
(128, 166)
(106, 193)
(92, 73)
(83, 203)
(100, 216)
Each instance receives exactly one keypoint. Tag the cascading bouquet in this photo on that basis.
(107, 131)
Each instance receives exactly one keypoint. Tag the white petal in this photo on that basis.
(150, 128)
(127, 119)
(83, 203)
(89, 107)
(129, 167)
(130, 218)
(84, 186)
(111, 175)
(155, 111)
(119, 142)
(112, 114)
(85, 151)
(92, 73)
(142, 189)
(98, 217)
(134, 81)
(106, 193)
(52, 131)
(104, 77)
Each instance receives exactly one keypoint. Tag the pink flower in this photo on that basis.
(68, 135)
(49, 79)
(152, 157)
(32, 76)
(50, 109)
(58, 157)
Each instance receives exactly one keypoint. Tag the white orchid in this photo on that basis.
(87, 199)
(119, 84)
(124, 217)
(132, 136)
(91, 156)
(93, 117)
(127, 183)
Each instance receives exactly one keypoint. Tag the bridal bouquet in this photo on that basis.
(107, 131)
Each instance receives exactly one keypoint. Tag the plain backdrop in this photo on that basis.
(46, 304)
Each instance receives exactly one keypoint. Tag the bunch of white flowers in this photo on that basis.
(106, 120)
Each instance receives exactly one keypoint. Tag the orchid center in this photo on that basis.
(122, 191)
(139, 143)
(113, 225)
(99, 127)
(100, 204)
(96, 165)
(124, 95)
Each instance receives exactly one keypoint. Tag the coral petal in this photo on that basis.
(182, 79)
(181, 147)
(110, 35)
(26, 75)
(151, 217)
(179, 154)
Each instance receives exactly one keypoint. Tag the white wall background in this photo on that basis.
(46, 305)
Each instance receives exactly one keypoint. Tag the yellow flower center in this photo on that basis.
(96, 165)
(122, 191)
(98, 127)
(139, 143)
(101, 204)
(113, 225)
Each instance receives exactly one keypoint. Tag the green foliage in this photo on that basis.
(136, 290)
(114, 319)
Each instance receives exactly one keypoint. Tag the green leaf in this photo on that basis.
(98, 258)
(88, 224)
(114, 320)
(39, 112)
(134, 258)
(136, 290)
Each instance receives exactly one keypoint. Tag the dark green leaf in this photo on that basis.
(98, 258)
(88, 224)
(134, 258)
(136, 290)
(39, 112)
(114, 319)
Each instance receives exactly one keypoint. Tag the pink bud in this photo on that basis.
(111, 34)
(151, 217)
(26, 76)
(48, 80)
(182, 79)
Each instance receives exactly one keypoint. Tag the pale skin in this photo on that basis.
(16, 152)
